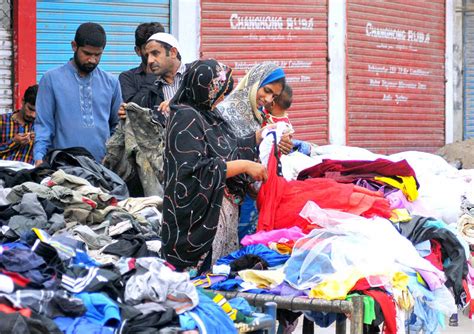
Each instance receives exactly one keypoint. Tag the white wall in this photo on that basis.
(337, 71)
(449, 67)
(185, 26)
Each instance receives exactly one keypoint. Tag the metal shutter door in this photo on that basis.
(57, 21)
(468, 41)
(396, 75)
(6, 102)
(293, 34)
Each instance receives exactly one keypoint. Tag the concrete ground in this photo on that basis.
(466, 326)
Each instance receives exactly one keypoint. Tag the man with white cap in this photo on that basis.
(163, 53)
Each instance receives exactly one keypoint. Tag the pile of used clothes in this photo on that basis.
(77, 255)
(343, 221)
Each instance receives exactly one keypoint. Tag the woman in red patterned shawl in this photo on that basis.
(202, 157)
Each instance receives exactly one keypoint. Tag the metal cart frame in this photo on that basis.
(353, 309)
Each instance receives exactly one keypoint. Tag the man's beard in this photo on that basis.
(86, 68)
(28, 119)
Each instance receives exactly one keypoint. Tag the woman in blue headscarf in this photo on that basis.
(260, 86)
(242, 109)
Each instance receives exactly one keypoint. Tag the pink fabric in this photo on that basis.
(281, 235)
(398, 201)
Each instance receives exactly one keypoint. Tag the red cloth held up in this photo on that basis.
(280, 201)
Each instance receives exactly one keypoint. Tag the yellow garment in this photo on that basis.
(400, 280)
(338, 285)
(421, 280)
(263, 278)
(407, 186)
(334, 287)
(224, 304)
(206, 281)
(400, 216)
(400, 291)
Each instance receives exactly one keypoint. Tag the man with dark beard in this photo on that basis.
(77, 103)
(17, 130)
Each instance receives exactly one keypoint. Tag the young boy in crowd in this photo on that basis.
(17, 130)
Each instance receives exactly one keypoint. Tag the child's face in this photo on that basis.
(277, 110)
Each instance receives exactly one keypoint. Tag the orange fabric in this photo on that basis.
(26, 312)
(283, 247)
(280, 201)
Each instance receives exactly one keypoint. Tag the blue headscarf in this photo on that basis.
(274, 76)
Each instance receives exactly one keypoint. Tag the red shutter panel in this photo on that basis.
(396, 75)
(293, 34)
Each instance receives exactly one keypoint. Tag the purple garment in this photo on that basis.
(284, 289)
(375, 186)
(431, 279)
(205, 281)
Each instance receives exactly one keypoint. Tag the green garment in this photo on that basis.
(369, 307)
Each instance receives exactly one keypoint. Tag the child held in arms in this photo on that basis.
(277, 111)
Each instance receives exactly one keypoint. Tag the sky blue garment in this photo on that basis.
(102, 316)
(321, 266)
(435, 223)
(208, 317)
(101, 308)
(242, 305)
(72, 111)
(424, 248)
(83, 259)
(423, 316)
(272, 257)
